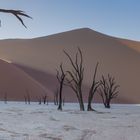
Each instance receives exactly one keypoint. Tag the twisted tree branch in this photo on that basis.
(17, 14)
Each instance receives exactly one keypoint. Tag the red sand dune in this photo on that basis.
(39, 57)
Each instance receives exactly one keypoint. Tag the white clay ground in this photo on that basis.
(19, 121)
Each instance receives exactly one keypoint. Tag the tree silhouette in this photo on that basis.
(61, 78)
(17, 14)
(76, 76)
(108, 90)
(93, 89)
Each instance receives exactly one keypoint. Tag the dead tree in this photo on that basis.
(39, 100)
(25, 99)
(44, 99)
(61, 78)
(17, 14)
(93, 89)
(76, 76)
(108, 90)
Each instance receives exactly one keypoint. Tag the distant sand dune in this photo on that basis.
(119, 57)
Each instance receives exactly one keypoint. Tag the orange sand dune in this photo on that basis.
(44, 54)
(132, 44)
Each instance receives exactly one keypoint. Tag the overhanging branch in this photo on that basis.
(17, 14)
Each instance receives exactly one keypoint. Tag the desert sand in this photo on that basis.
(39, 58)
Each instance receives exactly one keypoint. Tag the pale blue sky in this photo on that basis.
(120, 18)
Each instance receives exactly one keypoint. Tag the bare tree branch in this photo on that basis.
(17, 14)
(61, 78)
(93, 89)
(75, 78)
(108, 90)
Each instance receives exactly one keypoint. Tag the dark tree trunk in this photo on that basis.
(60, 96)
(107, 104)
(93, 89)
(44, 99)
(82, 108)
(61, 79)
(25, 99)
(76, 76)
(89, 108)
